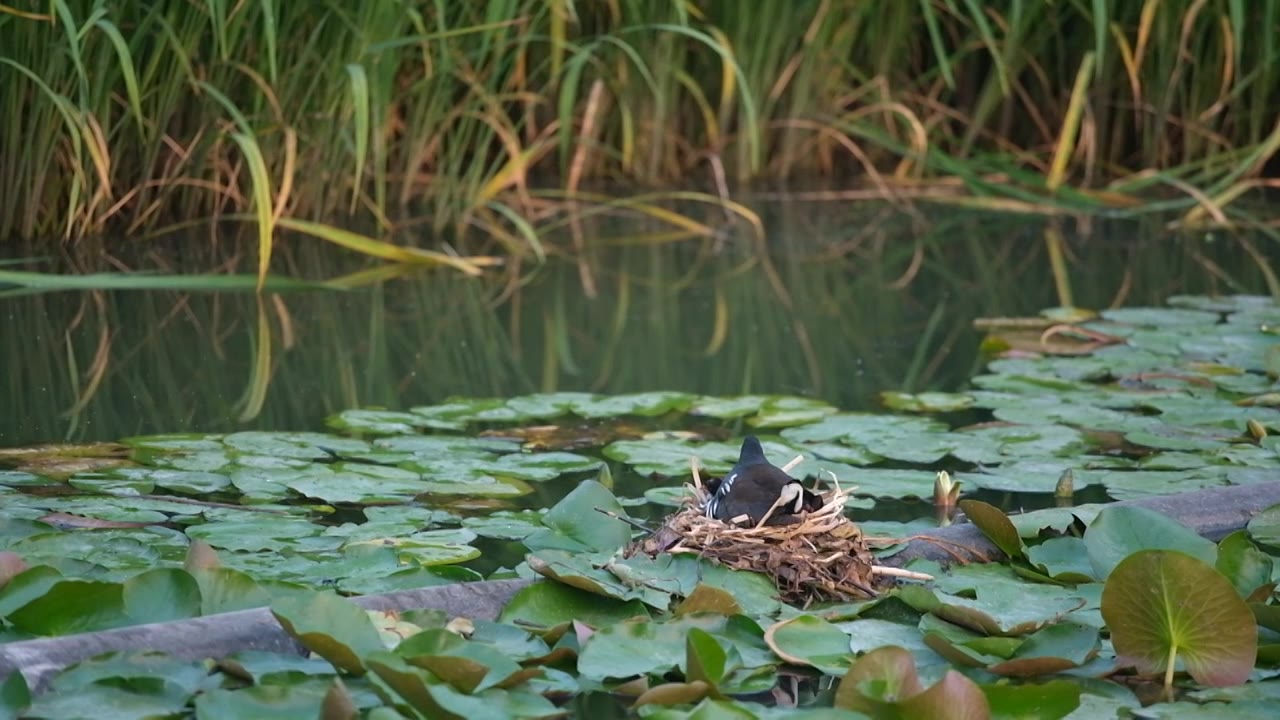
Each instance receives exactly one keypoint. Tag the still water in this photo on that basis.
(844, 303)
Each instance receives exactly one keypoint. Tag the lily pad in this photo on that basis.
(14, 478)
(257, 534)
(1063, 558)
(1160, 317)
(670, 458)
(295, 445)
(576, 524)
(298, 699)
(926, 401)
(139, 699)
(354, 488)
(1265, 526)
(334, 628)
(538, 467)
(1162, 604)
(505, 524)
(645, 404)
(547, 604)
(785, 411)
(379, 422)
(810, 640)
(884, 683)
(727, 408)
(856, 428)
(641, 647)
(1121, 531)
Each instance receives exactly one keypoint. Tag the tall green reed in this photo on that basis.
(426, 120)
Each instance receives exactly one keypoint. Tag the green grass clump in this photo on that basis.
(132, 116)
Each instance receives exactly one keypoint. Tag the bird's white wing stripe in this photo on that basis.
(713, 503)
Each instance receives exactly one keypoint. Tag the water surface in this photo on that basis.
(847, 302)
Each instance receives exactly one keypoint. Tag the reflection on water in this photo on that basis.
(845, 305)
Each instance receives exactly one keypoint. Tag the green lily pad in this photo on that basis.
(1160, 317)
(786, 411)
(201, 461)
(884, 683)
(1134, 484)
(137, 700)
(666, 496)
(73, 606)
(1063, 558)
(857, 428)
(470, 667)
(876, 482)
(538, 467)
(995, 525)
(505, 524)
(227, 590)
(640, 647)
(727, 408)
(548, 405)
(835, 452)
(161, 595)
(379, 422)
(298, 699)
(575, 524)
(926, 401)
(993, 601)
(14, 478)
(103, 483)
(1162, 604)
(334, 628)
(867, 634)
(810, 640)
(1172, 437)
(258, 534)
(355, 488)
(1247, 567)
(670, 458)
(1051, 649)
(112, 549)
(296, 445)
(1048, 701)
(478, 486)
(1265, 526)
(187, 482)
(1120, 531)
(645, 404)
(547, 604)
(191, 676)
(593, 573)
(433, 698)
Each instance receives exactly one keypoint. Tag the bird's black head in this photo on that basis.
(751, 453)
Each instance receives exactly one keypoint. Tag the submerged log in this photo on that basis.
(217, 636)
(1214, 513)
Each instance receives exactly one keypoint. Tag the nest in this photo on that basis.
(820, 556)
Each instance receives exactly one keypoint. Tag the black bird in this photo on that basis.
(753, 486)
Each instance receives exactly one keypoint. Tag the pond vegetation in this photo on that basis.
(1094, 609)
(494, 124)
(560, 273)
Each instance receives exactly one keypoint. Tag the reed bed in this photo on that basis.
(484, 123)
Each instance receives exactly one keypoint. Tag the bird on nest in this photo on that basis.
(755, 486)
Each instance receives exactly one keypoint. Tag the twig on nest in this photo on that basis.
(633, 523)
(899, 572)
